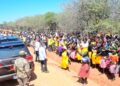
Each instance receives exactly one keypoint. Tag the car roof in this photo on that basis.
(10, 41)
(7, 37)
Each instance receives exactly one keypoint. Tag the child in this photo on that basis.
(84, 71)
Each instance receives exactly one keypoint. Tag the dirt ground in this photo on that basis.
(95, 75)
(60, 77)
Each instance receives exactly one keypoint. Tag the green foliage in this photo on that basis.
(49, 18)
(82, 15)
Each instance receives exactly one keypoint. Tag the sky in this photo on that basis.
(11, 10)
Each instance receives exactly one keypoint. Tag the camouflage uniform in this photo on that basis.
(22, 68)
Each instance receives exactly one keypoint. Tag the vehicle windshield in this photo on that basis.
(11, 51)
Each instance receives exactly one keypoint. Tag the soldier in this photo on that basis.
(22, 69)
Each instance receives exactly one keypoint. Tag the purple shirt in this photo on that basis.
(60, 48)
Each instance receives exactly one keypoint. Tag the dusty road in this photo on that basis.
(55, 77)
(59, 77)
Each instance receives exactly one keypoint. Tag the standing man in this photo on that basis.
(37, 45)
(42, 57)
(22, 69)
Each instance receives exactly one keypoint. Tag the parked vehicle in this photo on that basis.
(9, 51)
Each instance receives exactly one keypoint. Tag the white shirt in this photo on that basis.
(37, 45)
(84, 45)
(42, 53)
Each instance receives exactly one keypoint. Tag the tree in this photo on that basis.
(78, 15)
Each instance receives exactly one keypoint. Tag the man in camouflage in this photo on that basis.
(22, 69)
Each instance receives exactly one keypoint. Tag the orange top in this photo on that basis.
(114, 58)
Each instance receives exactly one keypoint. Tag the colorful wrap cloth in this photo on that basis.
(94, 54)
(84, 71)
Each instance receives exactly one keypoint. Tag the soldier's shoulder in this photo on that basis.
(19, 59)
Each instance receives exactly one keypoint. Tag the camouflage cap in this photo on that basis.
(22, 53)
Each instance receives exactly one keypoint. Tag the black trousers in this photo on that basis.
(43, 65)
(37, 55)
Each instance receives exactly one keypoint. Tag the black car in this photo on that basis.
(9, 51)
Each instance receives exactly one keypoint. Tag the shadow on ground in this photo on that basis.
(33, 77)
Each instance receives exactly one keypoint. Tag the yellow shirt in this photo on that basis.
(56, 42)
(50, 41)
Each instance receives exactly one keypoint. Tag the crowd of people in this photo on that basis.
(96, 49)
